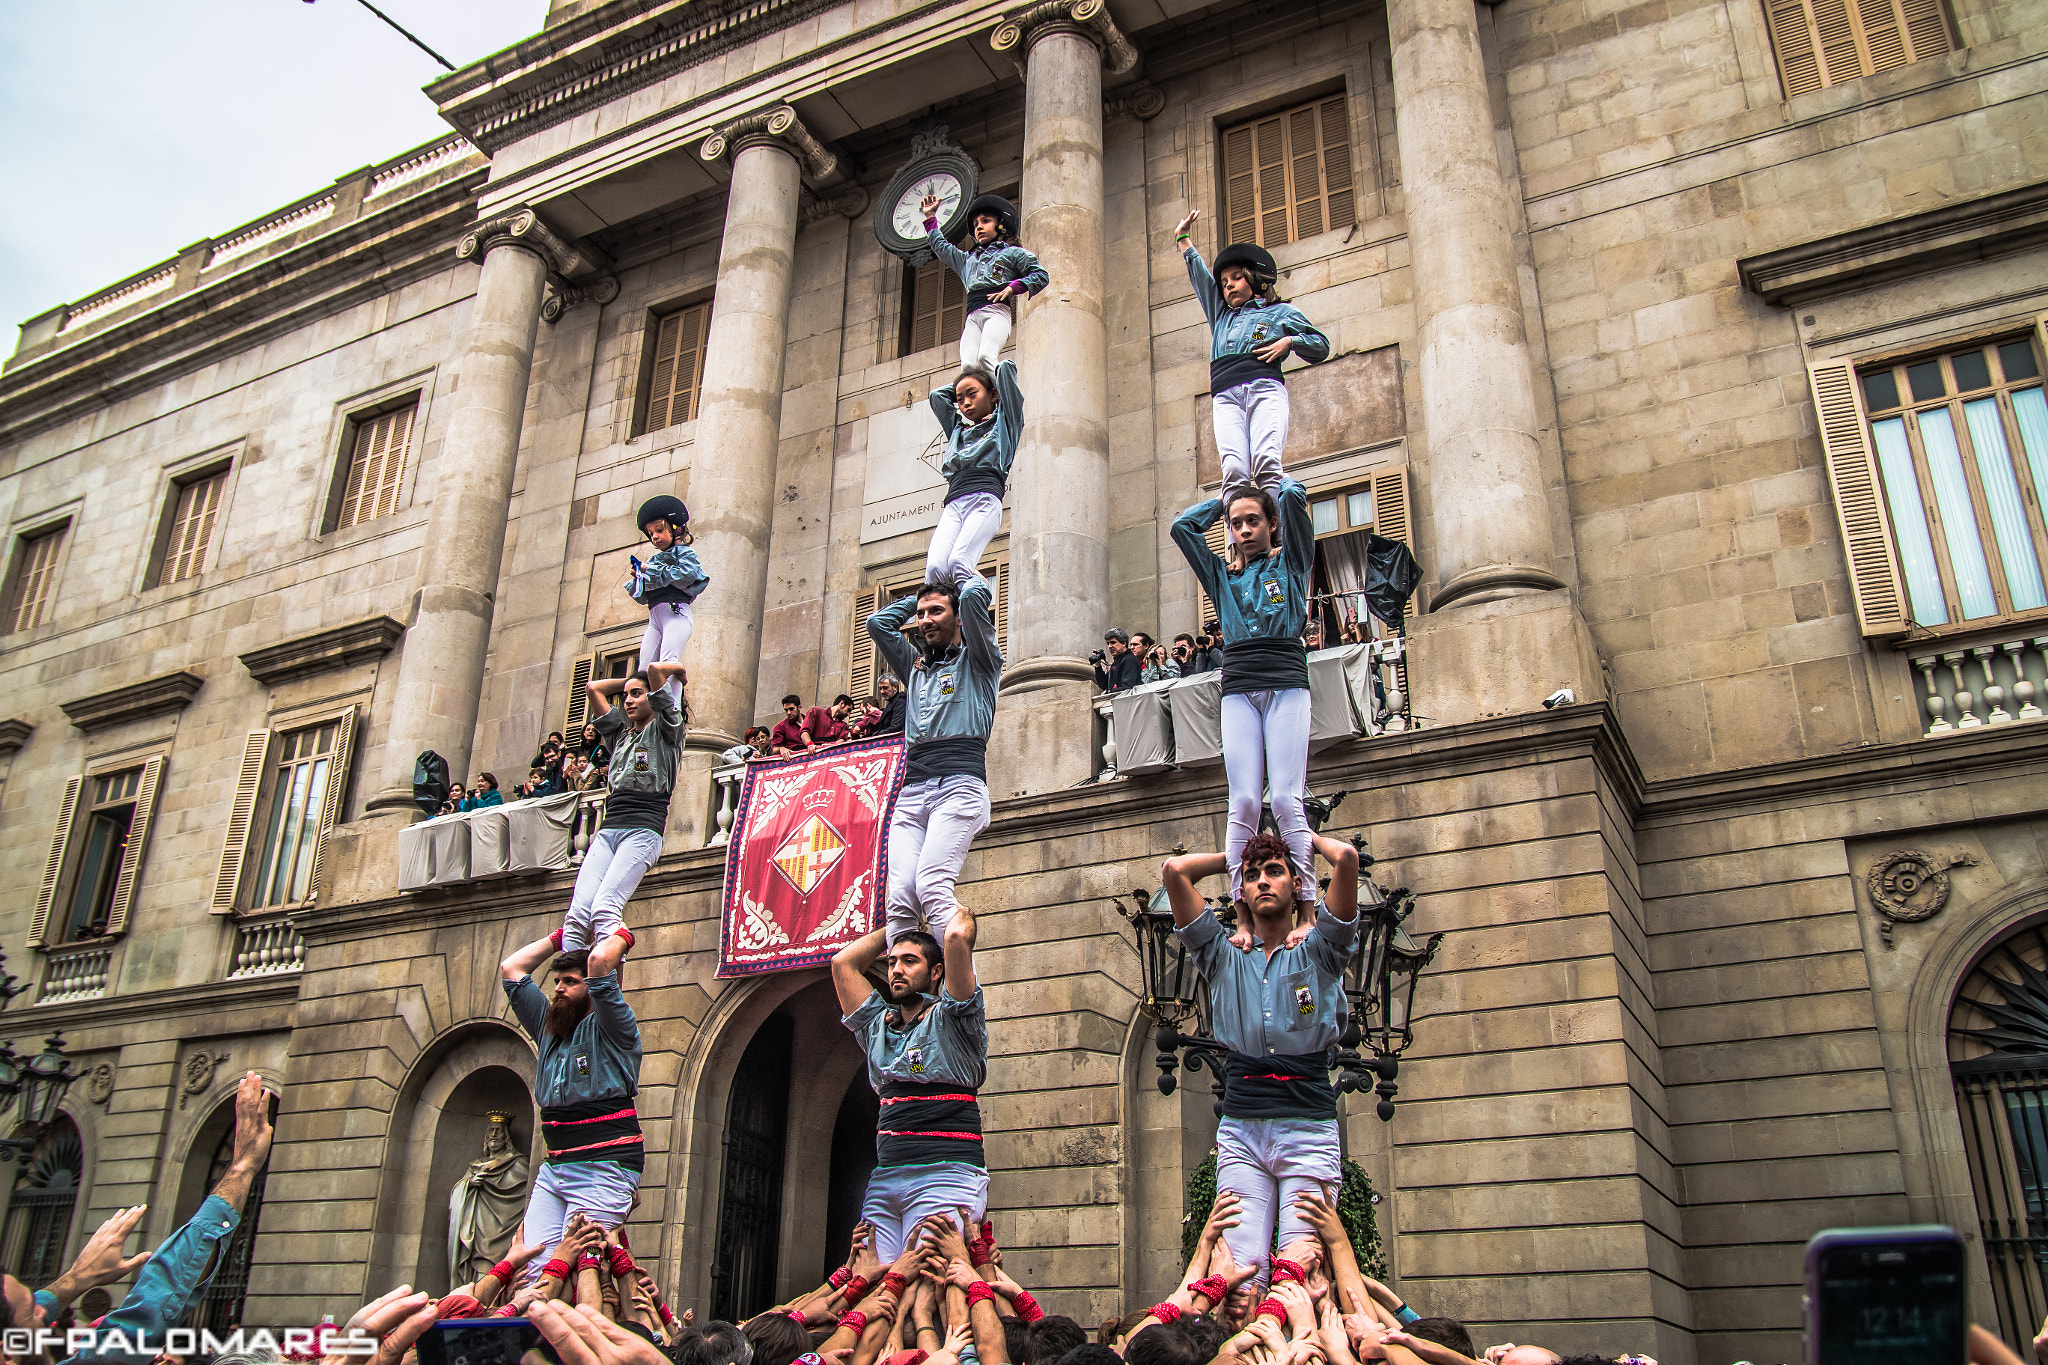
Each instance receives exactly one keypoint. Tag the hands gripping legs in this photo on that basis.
(966, 525)
(1267, 1162)
(935, 822)
(668, 631)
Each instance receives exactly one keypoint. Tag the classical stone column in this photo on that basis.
(1059, 493)
(440, 676)
(1489, 513)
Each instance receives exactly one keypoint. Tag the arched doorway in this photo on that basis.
(1998, 1057)
(790, 1122)
(218, 1307)
(39, 1214)
(462, 1124)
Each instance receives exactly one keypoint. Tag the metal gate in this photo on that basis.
(39, 1215)
(750, 1201)
(2003, 1103)
(218, 1306)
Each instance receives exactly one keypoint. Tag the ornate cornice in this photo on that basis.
(13, 734)
(338, 647)
(523, 228)
(1023, 27)
(850, 202)
(777, 123)
(161, 696)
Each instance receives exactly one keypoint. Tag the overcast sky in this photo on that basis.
(132, 128)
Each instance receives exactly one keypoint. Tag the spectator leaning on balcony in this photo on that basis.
(788, 735)
(1155, 665)
(1120, 668)
(487, 793)
(889, 700)
(755, 745)
(828, 725)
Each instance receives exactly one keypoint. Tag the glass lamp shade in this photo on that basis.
(1163, 958)
(10, 1074)
(49, 1076)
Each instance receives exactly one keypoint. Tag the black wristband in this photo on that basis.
(928, 1328)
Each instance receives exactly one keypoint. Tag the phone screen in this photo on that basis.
(484, 1341)
(1892, 1303)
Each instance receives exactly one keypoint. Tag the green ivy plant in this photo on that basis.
(1355, 1209)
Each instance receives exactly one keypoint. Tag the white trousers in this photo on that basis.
(935, 822)
(1266, 1162)
(1265, 742)
(1251, 429)
(601, 1191)
(668, 630)
(901, 1197)
(983, 334)
(966, 525)
(612, 868)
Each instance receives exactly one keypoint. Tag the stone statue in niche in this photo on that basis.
(485, 1207)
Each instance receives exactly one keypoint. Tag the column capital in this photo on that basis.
(780, 125)
(1142, 101)
(1090, 18)
(523, 228)
(849, 202)
(599, 289)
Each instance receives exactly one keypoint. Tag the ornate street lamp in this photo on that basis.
(40, 1081)
(10, 984)
(1379, 982)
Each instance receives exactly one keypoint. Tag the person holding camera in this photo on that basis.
(1155, 666)
(1116, 668)
(1188, 657)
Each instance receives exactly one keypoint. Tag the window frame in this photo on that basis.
(91, 808)
(335, 782)
(67, 849)
(347, 418)
(884, 583)
(1284, 111)
(650, 345)
(249, 817)
(173, 479)
(1794, 30)
(20, 537)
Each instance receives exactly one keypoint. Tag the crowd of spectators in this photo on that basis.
(1132, 658)
(947, 1300)
(800, 731)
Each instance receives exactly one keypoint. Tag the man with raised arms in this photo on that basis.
(1279, 1010)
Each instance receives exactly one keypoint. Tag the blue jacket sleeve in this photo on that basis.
(953, 256)
(1190, 530)
(978, 627)
(946, 408)
(1309, 343)
(614, 1016)
(1009, 414)
(1204, 283)
(885, 628)
(1030, 271)
(165, 1285)
(529, 1006)
(1297, 532)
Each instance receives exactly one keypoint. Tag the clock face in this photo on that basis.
(908, 218)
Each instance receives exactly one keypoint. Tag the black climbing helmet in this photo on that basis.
(664, 508)
(1247, 256)
(1004, 211)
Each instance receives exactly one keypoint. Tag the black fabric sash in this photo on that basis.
(592, 1131)
(923, 1122)
(1264, 664)
(948, 756)
(1278, 1087)
(1228, 371)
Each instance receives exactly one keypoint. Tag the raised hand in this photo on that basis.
(1223, 1215)
(1181, 228)
(398, 1318)
(929, 206)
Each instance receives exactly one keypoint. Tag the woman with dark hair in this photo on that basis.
(1251, 332)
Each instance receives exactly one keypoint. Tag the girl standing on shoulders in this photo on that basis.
(666, 585)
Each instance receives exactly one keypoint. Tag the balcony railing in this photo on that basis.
(76, 973)
(725, 794)
(1371, 699)
(1978, 685)
(265, 948)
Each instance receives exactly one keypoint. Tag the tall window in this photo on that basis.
(1961, 442)
(39, 1214)
(863, 667)
(599, 667)
(191, 529)
(934, 307)
(108, 821)
(1826, 42)
(1344, 519)
(1288, 175)
(35, 579)
(677, 371)
(298, 813)
(378, 458)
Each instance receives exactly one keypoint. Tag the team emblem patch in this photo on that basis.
(582, 1064)
(913, 1058)
(946, 684)
(1304, 1001)
(1276, 595)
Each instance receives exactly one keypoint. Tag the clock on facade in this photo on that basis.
(934, 168)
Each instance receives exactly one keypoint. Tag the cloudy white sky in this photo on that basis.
(131, 128)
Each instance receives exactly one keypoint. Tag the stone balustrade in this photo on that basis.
(76, 973)
(265, 948)
(725, 791)
(1998, 683)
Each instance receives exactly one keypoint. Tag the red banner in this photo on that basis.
(807, 868)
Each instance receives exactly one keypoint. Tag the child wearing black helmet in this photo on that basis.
(1251, 332)
(996, 271)
(666, 584)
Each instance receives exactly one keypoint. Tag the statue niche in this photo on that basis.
(486, 1204)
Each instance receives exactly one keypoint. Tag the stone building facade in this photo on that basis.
(1682, 340)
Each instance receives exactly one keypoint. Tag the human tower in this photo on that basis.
(1275, 986)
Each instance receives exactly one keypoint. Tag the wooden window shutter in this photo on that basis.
(860, 652)
(1305, 170)
(578, 710)
(1390, 514)
(678, 367)
(1791, 26)
(1927, 28)
(1240, 196)
(1001, 574)
(662, 382)
(228, 882)
(1859, 499)
(952, 306)
(1826, 42)
(1342, 207)
(1269, 146)
(60, 844)
(138, 836)
(337, 785)
(198, 503)
(938, 305)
